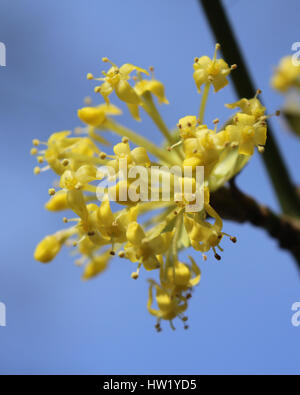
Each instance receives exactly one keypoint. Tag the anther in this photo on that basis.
(102, 155)
(65, 220)
(233, 66)
(35, 142)
(204, 257)
(261, 149)
(91, 233)
(121, 254)
(135, 275)
(87, 100)
(112, 252)
(51, 191)
(184, 319)
(186, 327)
(125, 140)
(37, 170)
(65, 162)
(89, 76)
(105, 60)
(33, 151)
(277, 113)
(233, 239)
(218, 257)
(218, 46)
(188, 296)
(151, 68)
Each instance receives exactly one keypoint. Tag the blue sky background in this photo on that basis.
(240, 315)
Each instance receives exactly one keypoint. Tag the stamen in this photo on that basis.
(258, 92)
(91, 233)
(174, 145)
(87, 100)
(76, 242)
(65, 162)
(261, 149)
(217, 47)
(217, 256)
(135, 275)
(51, 191)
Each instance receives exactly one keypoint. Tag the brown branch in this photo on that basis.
(232, 204)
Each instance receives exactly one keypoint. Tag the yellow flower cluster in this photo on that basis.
(150, 234)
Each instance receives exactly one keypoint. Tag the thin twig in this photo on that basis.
(233, 204)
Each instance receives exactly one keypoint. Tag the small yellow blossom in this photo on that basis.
(47, 249)
(286, 76)
(169, 306)
(141, 248)
(116, 79)
(213, 71)
(96, 265)
(246, 133)
(96, 116)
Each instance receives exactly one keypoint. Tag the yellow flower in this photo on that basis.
(96, 265)
(169, 306)
(77, 179)
(116, 79)
(96, 116)
(58, 202)
(115, 225)
(286, 75)
(246, 133)
(213, 71)
(179, 276)
(143, 249)
(47, 249)
(152, 86)
(250, 107)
